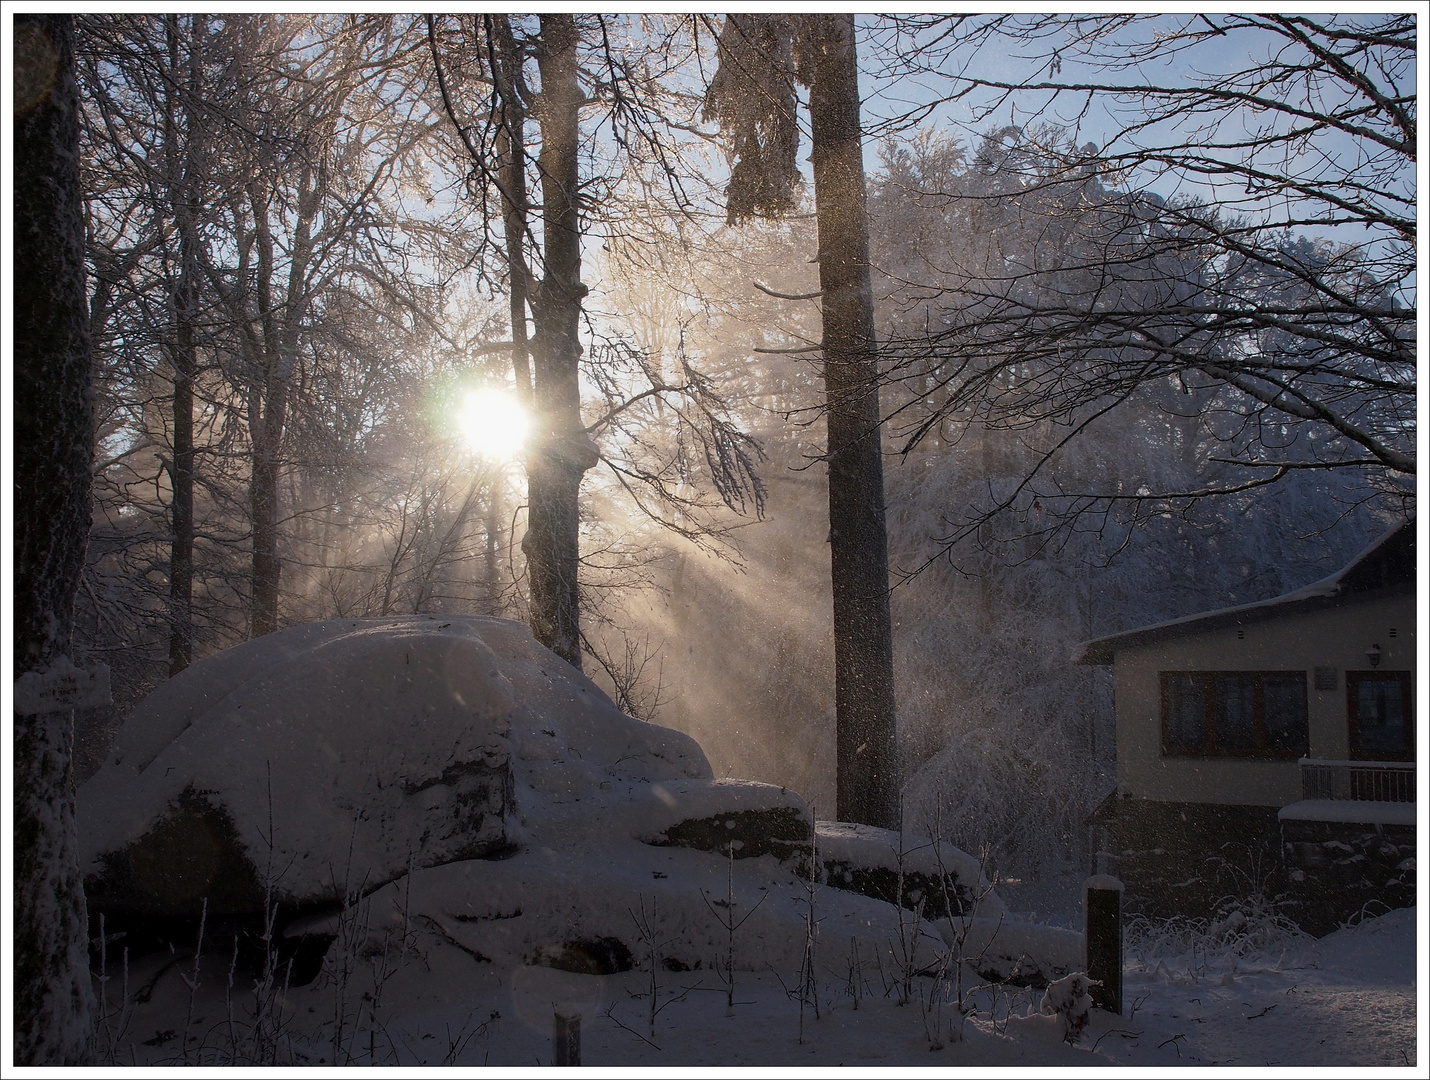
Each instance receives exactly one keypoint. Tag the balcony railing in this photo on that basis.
(1362, 781)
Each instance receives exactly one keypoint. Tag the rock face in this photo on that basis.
(1338, 869)
(327, 759)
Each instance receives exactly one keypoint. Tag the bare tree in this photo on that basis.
(244, 180)
(315, 219)
(53, 410)
(149, 115)
(562, 452)
(585, 66)
(184, 165)
(1245, 235)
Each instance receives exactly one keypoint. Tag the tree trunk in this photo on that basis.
(268, 408)
(183, 354)
(263, 506)
(54, 417)
(867, 780)
(491, 525)
(511, 152)
(561, 450)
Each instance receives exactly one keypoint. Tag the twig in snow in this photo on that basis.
(1126, 1034)
(610, 1015)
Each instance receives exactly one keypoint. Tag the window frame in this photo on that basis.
(1353, 681)
(1209, 749)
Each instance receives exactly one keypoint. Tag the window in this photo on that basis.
(1234, 713)
(1378, 715)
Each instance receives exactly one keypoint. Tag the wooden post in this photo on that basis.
(1103, 911)
(567, 1039)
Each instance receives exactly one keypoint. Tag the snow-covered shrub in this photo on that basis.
(1068, 998)
(1242, 926)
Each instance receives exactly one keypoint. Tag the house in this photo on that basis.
(1269, 749)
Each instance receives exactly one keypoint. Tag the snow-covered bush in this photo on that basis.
(1242, 926)
(1068, 999)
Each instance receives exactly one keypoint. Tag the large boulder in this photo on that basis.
(330, 758)
(449, 774)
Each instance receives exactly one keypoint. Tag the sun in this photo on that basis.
(493, 424)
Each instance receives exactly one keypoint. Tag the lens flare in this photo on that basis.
(493, 424)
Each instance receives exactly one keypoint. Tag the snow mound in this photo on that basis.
(628, 904)
(336, 755)
(451, 774)
(847, 849)
(1380, 951)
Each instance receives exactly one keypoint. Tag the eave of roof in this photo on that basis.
(1384, 568)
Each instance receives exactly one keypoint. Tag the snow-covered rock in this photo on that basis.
(954, 898)
(598, 910)
(332, 757)
(1012, 951)
(450, 773)
(939, 879)
(741, 818)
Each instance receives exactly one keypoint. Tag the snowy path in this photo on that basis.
(1347, 1000)
(1264, 1018)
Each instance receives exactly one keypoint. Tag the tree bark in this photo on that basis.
(54, 418)
(268, 400)
(867, 779)
(511, 153)
(561, 451)
(263, 507)
(183, 354)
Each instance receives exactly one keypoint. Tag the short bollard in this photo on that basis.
(567, 1039)
(1104, 940)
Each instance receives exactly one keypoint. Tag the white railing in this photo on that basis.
(1361, 781)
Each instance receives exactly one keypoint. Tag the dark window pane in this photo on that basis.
(1285, 712)
(1381, 716)
(1186, 713)
(1236, 712)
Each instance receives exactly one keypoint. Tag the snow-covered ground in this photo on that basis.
(1347, 1000)
(468, 822)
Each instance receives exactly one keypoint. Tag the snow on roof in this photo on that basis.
(1388, 563)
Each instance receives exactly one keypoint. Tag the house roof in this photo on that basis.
(1388, 565)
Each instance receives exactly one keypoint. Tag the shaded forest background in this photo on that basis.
(300, 262)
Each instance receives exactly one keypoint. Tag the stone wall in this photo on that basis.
(1190, 859)
(1343, 870)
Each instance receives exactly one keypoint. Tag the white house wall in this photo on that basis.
(1334, 637)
